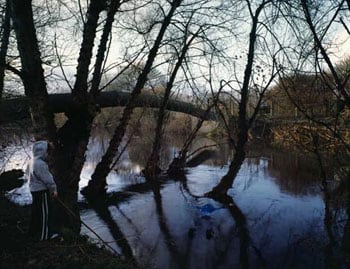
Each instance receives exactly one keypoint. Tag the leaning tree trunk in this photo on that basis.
(238, 158)
(178, 164)
(17, 108)
(98, 183)
(243, 122)
(6, 29)
(152, 169)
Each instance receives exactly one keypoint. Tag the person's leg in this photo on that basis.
(35, 219)
(45, 208)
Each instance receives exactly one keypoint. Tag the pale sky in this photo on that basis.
(342, 48)
(339, 51)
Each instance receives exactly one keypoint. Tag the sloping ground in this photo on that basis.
(70, 251)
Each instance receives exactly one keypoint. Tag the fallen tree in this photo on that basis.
(18, 108)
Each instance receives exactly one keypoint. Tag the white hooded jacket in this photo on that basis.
(39, 175)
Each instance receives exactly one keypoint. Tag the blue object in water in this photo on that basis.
(207, 209)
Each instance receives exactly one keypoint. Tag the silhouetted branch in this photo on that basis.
(18, 108)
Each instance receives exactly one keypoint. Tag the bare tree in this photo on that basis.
(32, 71)
(71, 140)
(98, 179)
(313, 30)
(339, 84)
(152, 168)
(244, 121)
(312, 74)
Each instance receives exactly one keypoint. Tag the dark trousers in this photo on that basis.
(40, 224)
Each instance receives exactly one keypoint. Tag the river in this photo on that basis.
(278, 220)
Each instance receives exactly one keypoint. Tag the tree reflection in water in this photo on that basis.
(289, 221)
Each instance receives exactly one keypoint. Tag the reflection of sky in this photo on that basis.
(286, 215)
(272, 215)
(278, 221)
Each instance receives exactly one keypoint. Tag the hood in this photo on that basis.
(40, 149)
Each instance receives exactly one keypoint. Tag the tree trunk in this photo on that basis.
(152, 169)
(98, 183)
(74, 135)
(33, 73)
(35, 90)
(72, 139)
(227, 180)
(243, 123)
(6, 29)
(96, 77)
(80, 87)
(61, 161)
(69, 160)
(80, 122)
(178, 164)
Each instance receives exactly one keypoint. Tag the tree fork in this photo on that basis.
(98, 179)
(75, 133)
(243, 123)
(152, 169)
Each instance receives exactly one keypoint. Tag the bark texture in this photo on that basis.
(33, 73)
(73, 137)
(6, 30)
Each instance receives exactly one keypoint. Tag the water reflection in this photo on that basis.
(273, 218)
(104, 214)
(279, 213)
(295, 172)
(163, 226)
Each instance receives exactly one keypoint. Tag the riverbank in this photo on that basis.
(70, 251)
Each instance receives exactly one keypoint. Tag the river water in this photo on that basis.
(278, 218)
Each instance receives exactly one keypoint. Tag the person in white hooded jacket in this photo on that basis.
(42, 187)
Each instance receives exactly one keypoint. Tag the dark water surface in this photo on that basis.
(276, 218)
